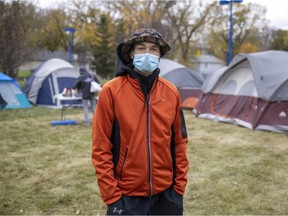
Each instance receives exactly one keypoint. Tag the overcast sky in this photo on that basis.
(276, 12)
(276, 9)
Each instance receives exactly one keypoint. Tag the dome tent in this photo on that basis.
(167, 65)
(188, 82)
(11, 95)
(48, 80)
(252, 92)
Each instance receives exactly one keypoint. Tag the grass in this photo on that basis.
(47, 169)
(24, 74)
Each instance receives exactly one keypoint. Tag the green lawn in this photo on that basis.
(22, 77)
(47, 169)
(24, 74)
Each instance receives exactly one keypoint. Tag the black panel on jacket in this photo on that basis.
(183, 125)
(173, 155)
(115, 140)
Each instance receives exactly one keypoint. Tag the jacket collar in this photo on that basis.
(146, 82)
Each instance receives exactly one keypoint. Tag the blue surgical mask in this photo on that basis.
(146, 63)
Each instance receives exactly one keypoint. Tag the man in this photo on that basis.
(83, 85)
(139, 134)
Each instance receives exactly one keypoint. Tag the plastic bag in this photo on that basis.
(95, 87)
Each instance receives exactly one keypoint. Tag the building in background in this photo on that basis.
(206, 64)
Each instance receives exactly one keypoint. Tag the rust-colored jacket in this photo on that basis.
(139, 145)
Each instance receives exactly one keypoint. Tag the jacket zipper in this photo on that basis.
(123, 162)
(149, 146)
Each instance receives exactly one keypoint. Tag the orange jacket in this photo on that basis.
(139, 145)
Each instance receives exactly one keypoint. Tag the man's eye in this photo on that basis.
(154, 50)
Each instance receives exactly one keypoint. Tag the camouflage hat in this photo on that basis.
(144, 35)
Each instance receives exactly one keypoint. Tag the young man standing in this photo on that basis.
(139, 134)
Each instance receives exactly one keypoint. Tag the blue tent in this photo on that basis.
(48, 80)
(11, 96)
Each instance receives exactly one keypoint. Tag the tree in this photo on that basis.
(51, 36)
(132, 15)
(279, 40)
(84, 17)
(180, 22)
(104, 48)
(248, 48)
(187, 21)
(248, 21)
(16, 35)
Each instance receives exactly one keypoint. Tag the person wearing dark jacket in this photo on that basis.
(83, 84)
(139, 138)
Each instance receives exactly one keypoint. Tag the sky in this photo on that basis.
(276, 10)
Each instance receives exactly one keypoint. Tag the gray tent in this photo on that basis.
(167, 65)
(188, 82)
(185, 78)
(252, 91)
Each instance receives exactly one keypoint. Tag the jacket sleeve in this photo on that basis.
(95, 78)
(102, 147)
(181, 164)
(77, 84)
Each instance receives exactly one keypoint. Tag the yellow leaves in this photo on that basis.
(248, 48)
(87, 33)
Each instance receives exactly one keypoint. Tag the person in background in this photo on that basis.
(83, 85)
(139, 138)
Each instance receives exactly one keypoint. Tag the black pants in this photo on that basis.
(166, 203)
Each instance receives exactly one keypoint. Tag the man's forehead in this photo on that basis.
(149, 44)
